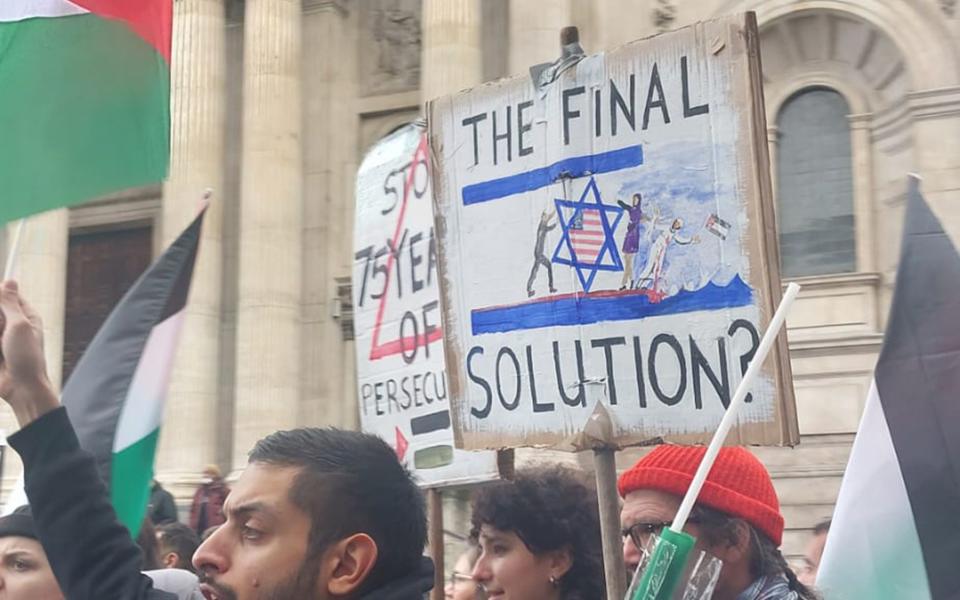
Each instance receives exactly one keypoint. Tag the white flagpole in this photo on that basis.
(18, 495)
(14, 251)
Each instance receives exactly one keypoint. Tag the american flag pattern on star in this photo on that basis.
(586, 235)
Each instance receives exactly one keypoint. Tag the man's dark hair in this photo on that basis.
(352, 482)
(179, 538)
(766, 559)
(549, 509)
(823, 527)
(147, 541)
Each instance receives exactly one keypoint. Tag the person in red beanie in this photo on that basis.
(736, 518)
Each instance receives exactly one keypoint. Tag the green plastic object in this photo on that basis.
(433, 457)
(666, 566)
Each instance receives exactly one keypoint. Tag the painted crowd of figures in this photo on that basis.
(644, 247)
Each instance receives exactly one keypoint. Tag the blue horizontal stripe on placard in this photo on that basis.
(606, 306)
(578, 166)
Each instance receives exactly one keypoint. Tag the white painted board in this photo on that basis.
(610, 238)
(402, 382)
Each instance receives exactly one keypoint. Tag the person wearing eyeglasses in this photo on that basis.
(461, 585)
(539, 537)
(736, 519)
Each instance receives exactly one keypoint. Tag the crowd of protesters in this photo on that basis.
(324, 513)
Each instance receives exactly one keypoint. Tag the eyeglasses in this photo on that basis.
(457, 576)
(640, 533)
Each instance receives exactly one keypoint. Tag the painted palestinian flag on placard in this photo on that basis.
(115, 395)
(896, 531)
(84, 100)
(717, 226)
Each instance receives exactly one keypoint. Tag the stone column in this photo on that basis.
(271, 217)
(188, 440)
(936, 117)
(452, 57)
(535, 32)
(331, 129)
(616, 23)
(41, 271)
(862, 154)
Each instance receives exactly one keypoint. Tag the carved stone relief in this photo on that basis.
(949, 7)
(390, 40)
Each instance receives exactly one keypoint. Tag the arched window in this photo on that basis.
(815, 181)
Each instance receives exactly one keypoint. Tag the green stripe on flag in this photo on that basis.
(84, 111)
(892, 569)
(873, 549)
(131, 473)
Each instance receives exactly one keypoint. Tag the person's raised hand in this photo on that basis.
(23, 371)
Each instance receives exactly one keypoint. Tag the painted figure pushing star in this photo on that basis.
(545, 225)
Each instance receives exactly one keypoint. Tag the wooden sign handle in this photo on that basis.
(435, 515)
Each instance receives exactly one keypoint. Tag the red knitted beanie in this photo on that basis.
(738, 483)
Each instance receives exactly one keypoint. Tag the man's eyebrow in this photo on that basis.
(250, 507)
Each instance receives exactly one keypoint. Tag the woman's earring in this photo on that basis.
(553, 581)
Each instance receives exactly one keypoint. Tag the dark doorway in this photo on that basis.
(101, 267)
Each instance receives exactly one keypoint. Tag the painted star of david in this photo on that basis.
(587, 243)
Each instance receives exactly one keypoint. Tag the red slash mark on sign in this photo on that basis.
(402, 344)
(402, 444)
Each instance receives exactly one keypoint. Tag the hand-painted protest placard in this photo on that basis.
(402, 381)
(612, 231)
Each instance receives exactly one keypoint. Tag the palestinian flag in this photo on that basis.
(896, 530)
(84, 100)
(115, 395)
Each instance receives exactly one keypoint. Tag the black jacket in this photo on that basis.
(162, 508)
(412, 587)
(91, 553)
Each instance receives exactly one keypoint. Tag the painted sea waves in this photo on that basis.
(599, 307)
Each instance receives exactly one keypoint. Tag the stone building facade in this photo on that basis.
(276, 101)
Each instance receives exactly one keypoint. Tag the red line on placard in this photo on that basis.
(378, 350)
(399, 345)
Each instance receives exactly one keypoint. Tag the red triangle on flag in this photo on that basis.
(402, 444)
(151, 19)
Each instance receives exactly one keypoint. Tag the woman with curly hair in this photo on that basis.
(539, 537)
